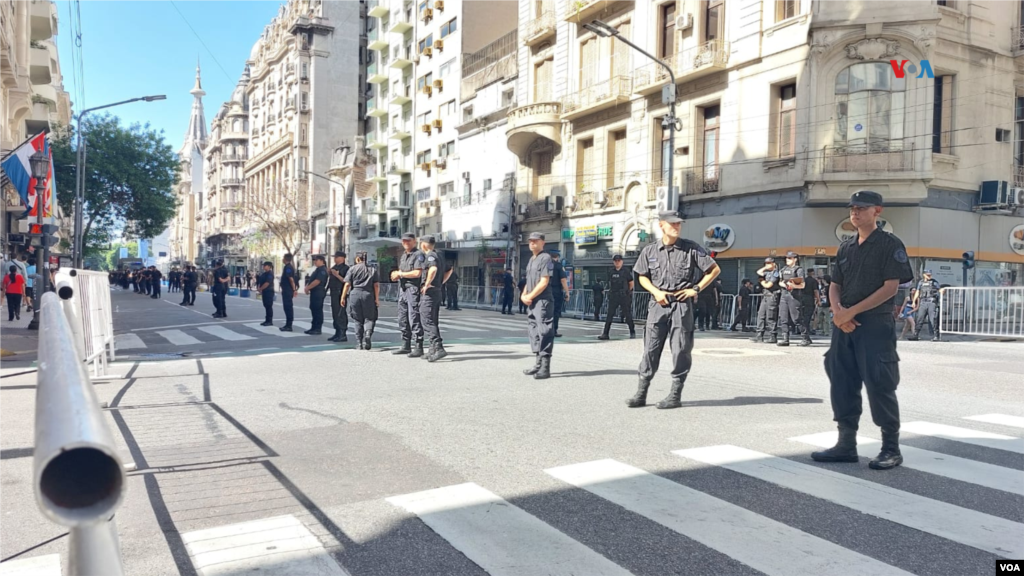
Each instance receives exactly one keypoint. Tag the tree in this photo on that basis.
(130, 175)
(278, 213)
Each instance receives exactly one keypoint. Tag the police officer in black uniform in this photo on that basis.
(336, 285)
(430, 296)
(451, 288)
(559, 288)
(317, 290)
(620, 297)
(540, 307)
(362, 295)
(768, 311)
(288, 290)
(926, 302)
(266, 288)
(865, 279)
(508, 290)
(791, 280)
(674, 271)
(409, 275)
(220, 289)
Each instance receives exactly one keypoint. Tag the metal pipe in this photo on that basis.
(78, 477)
(72, 308)
(95, 549)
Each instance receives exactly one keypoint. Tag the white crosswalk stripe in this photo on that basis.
(976, 437)
(178, 337)
(998, 536)
(759, 542)
(273, 331)
(48, 565)
(128, 341)
(464, 325)
(381, 327)
(1001, 419)
(224, 333)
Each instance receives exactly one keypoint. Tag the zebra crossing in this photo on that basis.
(505, 540)
(387, 330)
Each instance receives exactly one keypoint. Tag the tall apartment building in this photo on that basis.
(785, 108)
(188, 229)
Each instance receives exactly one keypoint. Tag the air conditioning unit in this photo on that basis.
(684, 21)
(425, 166)
(437, 122)
(438, 84)
(662, 197)
(440, 162)
(465, 235)
(425, 128)
(428, 14)
(993, 192)
(436, 203)
(439, 5)
(439, 44)
(600, 197)
(428, 51)
(555, 203)
(1015, 197)
(522, 209)
(427, 90)
(465, 176)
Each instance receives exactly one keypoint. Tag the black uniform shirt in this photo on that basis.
(823, 291)
(861, 269)
(361, 277)
(773, 277)
(557, 274)
(268, 278)
(674, 267)
(431, 260)
(810, 285)
(928, 290)
(453, 280)
(411, 261)
(618, 280)
(189, 277)
(540, 266)
(334, 284)
(286, 275)
(744, 297)
(157, 275)
(506, 279)
(319, 274)
(217, 275)
(789, 273)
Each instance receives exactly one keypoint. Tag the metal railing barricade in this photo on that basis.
(982, 311)
(85, 296)
(78, 477)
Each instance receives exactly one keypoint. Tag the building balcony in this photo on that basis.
(701, 180)
(583, 11)
(870, 159)
(232, 181)
(376, 142)
(39, 66)
(400, 60)
(375, 108)
(539, 29)
(403, 204)
(397, 170)
(686, 65)
(233, 158)
(401, 96)
(528, 123)
(43, 17)
(596, 97)
(230, 205)
(376, 41)
(376, 9)
(376, 74)
(399, 23)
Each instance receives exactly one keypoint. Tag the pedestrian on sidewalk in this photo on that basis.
(540, 304)
(362, 296)
(30, 280)
(13, 288)
(317, 290)
(865, 280)
(266, 285)
(452, 289)
(288, 289)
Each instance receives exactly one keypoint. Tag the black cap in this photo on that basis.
(792, 254)
(865, 198)
(339, 254)
(429, 239)
(536, 236)
(670, 216)
(769, 260)
(408, 236)
(617, 257)
(320, 257)
(268, 263)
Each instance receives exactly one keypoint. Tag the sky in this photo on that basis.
(141, 48)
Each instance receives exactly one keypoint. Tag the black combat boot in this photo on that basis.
(845, 449)
(334, 338)
(430, 352)
(365, 343)
(603, 337)
(890, 456)
(286, 328)
(774, 339)
(632, 334)
(439, 352)
(534, 369)
(672, 400)
(913, 337)
(785, 339)
(544, 371)
(405, 349)
(758, 337)
(639, 400)
(806, 341)
(417, 351)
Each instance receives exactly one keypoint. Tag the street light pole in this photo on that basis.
(668, 96)
(40, 165)
(344, 199)
(78, 244)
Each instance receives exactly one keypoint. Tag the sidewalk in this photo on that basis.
(18, 340)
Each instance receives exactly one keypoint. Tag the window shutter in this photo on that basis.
(621, 52)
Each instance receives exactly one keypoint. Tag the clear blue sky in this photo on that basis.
(139, 48)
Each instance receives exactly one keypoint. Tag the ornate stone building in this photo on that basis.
(188, 229)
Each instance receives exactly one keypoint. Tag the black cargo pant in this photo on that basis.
(363, 309)
(806, 315)
(865, 357)
(452, 296)
(705, 309)
(768, 314)
(286, 303)
(220, 295)
(789, 314)
(619, 303)
(316, 308)
(190, 293)
(268, 304)
(409, 321)
(338, 313)
(506, 299)
(558, 300)
(540, 325)
(430, 312)
(673, 324)
(927, 311)
(598, 303)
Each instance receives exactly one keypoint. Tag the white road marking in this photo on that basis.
(272, 330)
(962, 469)
(128, 341)
(225, 334)
(734, 352)
(759, 542)
(277, 354)
(463, 325)
(1001, 419)
(179, 338)
(500, 538)
(999, 536)
(301, 325)
(48, 565)
(280, 545)
(965, 435)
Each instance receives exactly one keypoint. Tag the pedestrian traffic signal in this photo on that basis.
(968, 260)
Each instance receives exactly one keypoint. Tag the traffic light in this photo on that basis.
(968, 260)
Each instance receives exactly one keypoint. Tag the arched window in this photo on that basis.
(237, 126)
(870, 102)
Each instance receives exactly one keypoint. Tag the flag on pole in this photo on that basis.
(19, 171)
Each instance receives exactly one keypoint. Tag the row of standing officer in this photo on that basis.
(786, 298)
(420, 275)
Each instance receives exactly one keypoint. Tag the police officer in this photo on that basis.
(926, 303)
(288, 290)
(707, 301)
(452, 289)
(362, 294)
(808, 303)
(508, 291)
(865, 279)
(189, 279)
(409, 275)
(220, 289)
(537, 295)
(336, 284)
(674, 271)
(559, 288)
(791, 280)
(620, 297)
(768, 311)
(266, 288)
(317, 290)
(430, 296)
(598, 290)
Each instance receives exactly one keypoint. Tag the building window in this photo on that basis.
(588, 63)
(585, 166)
(711, 126)
(467, 113)
(423, 194)
(786, 9)
(446, 188)
(542, 88)
(445, 68)
(447, 109)
(423, 6)
(942, 117)
(1018, 140)
(305, 101)
(616, 159)
(302, 132)
(446, 150)
(869, 108)
(487, 184)
(305, 71)
(424, 81)
(785, 123)
(714, 20)
(507, 98)
(541, 164)
(424, 157)
(663, 152)
(449, 27)
(621, 52)
(302, 167)
(667, 42)
(426, 42)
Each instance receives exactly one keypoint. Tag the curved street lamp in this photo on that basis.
(39, 163)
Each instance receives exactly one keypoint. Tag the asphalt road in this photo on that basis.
(338, 461)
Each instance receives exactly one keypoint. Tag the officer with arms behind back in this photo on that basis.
(768, 311)
(868, 271)
(409, 274)
(540, 307)
(288, 289)
(336, 285)
(791, 279)
(362, 295)
(926, 303)
(674, 271)
(620, 297)
(559, 287)
(317, 290)
(430, 296)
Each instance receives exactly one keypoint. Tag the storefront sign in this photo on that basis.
(605, 231)
(819, 252)
(773, 252)
(566, 234)
(846, 230)
(586, 235)
(719, 237)
(1017, 239)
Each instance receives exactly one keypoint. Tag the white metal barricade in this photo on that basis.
(982, 311)
(86, 302)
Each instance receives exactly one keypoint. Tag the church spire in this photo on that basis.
(195, 137)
